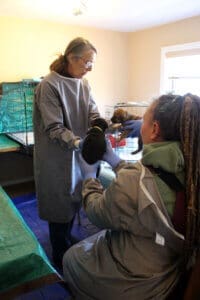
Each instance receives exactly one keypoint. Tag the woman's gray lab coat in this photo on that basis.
(63, 110)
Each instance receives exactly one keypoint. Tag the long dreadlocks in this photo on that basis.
(179, 119)
(190, 140)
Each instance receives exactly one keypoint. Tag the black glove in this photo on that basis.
(94, 144)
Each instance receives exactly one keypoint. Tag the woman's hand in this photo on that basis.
(133, 127)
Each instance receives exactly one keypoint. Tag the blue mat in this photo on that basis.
(50, 292)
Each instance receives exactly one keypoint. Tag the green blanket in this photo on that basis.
(22, 260)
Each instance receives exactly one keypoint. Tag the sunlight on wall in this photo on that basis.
(29, 46)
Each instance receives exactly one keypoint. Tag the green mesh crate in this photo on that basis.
(16, 106)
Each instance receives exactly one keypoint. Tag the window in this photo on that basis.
(180, 69)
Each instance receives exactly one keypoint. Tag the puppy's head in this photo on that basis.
(119, 116)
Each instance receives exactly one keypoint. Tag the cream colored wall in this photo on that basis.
(29, 46)
(145, 54)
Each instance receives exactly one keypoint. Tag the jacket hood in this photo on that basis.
(165, 155)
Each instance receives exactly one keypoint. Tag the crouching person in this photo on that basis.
(146, 242)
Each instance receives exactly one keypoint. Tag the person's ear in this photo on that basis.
(70, 58)
(156, 132)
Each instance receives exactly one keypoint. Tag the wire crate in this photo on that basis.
(136, 108)
(130, 144)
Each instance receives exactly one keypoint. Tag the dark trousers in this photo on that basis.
(60, 238)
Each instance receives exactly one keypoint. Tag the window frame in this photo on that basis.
(173, 48)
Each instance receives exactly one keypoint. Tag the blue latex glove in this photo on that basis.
(110, 156)
(87, 171)
(133, 126)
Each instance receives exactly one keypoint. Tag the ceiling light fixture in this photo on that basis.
(79, 8)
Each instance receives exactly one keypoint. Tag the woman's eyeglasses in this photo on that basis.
(87, 63)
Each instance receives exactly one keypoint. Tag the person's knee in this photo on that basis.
(67, 256)
(68, 259)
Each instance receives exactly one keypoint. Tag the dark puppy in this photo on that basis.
(94, 144)
(120, 116)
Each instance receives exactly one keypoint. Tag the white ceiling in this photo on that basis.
(119, 15)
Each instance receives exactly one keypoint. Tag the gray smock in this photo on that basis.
(63, 111)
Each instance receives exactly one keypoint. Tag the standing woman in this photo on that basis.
(63, 111)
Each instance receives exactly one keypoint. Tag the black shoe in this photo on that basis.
(57, 264)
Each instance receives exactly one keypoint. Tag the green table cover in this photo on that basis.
(22, 260)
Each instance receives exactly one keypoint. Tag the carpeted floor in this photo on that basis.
(27, 205)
